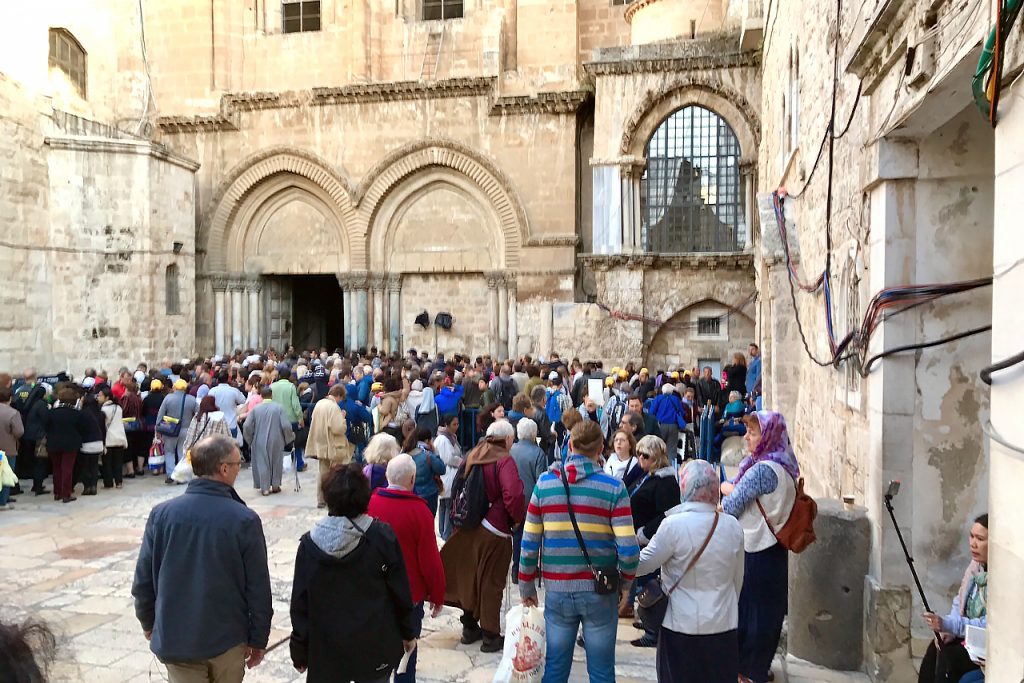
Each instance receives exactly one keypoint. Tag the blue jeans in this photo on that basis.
(296, 451)
(410, 673)
(444, 520)
(563, 613)
(5, 495)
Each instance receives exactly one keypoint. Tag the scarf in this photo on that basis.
(974, 591)
(773, 446)
(427, 404)
(443, 431)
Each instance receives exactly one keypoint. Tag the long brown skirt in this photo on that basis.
(476, 564)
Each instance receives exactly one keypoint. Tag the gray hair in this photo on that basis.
(381, 449)
(501, 428)
(734, 396)
(526, 429)
(401, 469)
(210, 453)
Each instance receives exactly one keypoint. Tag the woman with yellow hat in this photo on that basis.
(151, 403)
(172, 423)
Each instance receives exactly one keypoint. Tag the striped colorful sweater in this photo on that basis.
(601, 504)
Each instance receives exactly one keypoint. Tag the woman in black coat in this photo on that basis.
(351, 609)
(66, 430)
(657, 493)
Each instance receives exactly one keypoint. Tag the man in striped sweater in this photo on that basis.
(602, 510)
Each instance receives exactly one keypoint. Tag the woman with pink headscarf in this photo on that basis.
(700, 554)
(761, 497)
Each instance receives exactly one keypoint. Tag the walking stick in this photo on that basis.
(892, 492)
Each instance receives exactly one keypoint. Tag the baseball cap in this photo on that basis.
(608, 381)
(643, 370)
(180, 385)
(156, 385)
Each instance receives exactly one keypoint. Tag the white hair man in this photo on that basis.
(476, 560)
(531, 462)
(413, 524)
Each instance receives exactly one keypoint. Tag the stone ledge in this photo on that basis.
(77, 143)
(714, 51)
(743, 260)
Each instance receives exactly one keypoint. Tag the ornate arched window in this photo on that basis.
(172, 289)
(691, 198)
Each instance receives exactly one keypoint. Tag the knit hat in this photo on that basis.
(181, 385)
(156, 385)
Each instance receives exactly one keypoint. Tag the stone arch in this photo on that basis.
(407, 236)
(255, 180)
(410, 160)
(656, 106)
(675, 341)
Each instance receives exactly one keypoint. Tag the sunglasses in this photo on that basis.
(645, 456)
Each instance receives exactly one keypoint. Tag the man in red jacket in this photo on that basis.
(476, 561)
(413, 524)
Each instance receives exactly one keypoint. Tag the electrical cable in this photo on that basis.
(990, 431)
(925, 345)
(770, 27)
(1006, 363)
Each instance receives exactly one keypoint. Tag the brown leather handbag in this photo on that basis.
(798, 531)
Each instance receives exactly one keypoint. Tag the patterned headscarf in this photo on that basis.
(699, 483)
(774, 445)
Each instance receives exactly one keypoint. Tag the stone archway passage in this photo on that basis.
(699, 332)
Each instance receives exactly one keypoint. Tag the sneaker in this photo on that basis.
(40, 491)
(70, 499)
(644, 641)
(168, 480)
(5, 508)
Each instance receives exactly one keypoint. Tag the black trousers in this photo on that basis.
(89, 473)
(949, 663)
(113, 463)
(138, 449)
(29, 466)
(697, 659)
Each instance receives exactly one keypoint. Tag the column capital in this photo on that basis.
(358, 279)
(394, 282)
(220, 283)
(496, 278)
(377, 281)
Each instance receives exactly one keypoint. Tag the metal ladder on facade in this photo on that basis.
(432, 54)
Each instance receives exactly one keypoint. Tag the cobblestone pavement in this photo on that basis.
(72, 566)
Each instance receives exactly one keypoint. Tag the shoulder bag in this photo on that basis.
(606, 581)
(653, 600)
(169, 426)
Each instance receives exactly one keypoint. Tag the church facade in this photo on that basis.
(572, 176)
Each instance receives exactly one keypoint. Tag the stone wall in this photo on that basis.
(465, 297)
(917, 210)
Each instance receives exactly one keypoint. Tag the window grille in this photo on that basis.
(709, 327)
(434, 10)
(172, 290)
(299, 16)
(691, 198)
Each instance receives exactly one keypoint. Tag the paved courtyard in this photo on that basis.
(72, 566)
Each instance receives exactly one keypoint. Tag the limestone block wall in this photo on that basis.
(464, 296)
(25, 337)
(654, 20)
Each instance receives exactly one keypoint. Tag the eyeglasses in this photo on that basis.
(232, 464)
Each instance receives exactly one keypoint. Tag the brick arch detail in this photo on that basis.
(219, 221)
(409, 160)
(656, 106)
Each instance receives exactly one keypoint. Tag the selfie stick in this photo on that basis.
(892, 492)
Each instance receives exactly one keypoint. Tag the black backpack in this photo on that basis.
(469, 498)
(506, 390)
(358, 433)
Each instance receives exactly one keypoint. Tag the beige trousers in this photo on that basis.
(226, 668)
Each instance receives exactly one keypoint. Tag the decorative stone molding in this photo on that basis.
(702, 261)
(405, 90)
(553, 241)
(377, 281)
(565, 102)
(225, 204)
(394, 282)
(700, 89)
(697, 62)
(635, 7)
(148, 148)
(408, 160)
(359, 280)
(494, 279)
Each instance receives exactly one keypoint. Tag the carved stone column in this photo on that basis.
(547, 329)
(395, 311)
(361, 313)
(492, 305)
(513, 323)
(347, 326)
(378, 285)
(255, 287)
(502, 316)
(219, 338)
(748, 185)
(236, 314)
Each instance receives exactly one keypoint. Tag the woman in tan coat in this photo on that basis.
(327, 443)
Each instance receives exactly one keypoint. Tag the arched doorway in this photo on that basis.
(706, 333)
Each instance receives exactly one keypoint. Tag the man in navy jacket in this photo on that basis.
(202, 584)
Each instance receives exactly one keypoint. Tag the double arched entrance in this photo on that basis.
(293, 252)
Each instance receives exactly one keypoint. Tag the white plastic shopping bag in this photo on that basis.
(525, 640)
(183, 471)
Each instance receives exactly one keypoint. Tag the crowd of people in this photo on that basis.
(557, 474)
